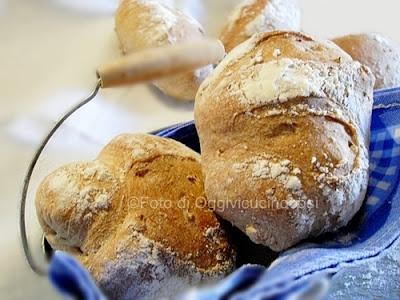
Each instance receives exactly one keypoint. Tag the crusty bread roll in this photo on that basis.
(143, 24)
(137, 218)
(379, 53)
(256, 16)
(283, 125)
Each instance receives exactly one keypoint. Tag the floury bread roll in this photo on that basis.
(257, 16)
(143, 24)
(379, 53)
(283, 125)
(135, 218)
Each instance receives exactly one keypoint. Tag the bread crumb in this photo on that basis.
(251, 231)
(278, 169)
(296, 171)
(276, 53)
(293, 183)
(261, 169)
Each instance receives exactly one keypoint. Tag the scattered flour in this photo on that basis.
(143, 146)
(277, 14)
(377, 278)
(266, 169)
(343, 85)
(276, 53)
(283, 172)
(78, 186)
(159, 21)
(293, 183)
(281, 80)
(139, 259)
(79, 192)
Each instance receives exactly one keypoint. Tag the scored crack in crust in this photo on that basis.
(137, 218)
(292, 129)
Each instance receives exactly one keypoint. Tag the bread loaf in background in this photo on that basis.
(136, 218)
(256, 16)
(143, 24)
(379, 53)
(283, 124)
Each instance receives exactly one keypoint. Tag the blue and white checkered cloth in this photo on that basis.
(298, 270)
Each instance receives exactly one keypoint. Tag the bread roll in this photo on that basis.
(136, 218)
(283, 125)
(143, 24)
(379, 53)
(256, 16)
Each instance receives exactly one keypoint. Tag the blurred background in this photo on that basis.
(49, 50)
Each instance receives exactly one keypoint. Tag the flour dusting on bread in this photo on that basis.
(297, 110)
(155, 267)
(83, 188)
(131, 217)
(257, 16)
(273, 17)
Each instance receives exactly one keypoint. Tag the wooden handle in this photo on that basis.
(159, 62)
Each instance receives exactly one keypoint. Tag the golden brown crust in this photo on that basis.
(377, 52)
(146, 24)
(140, 199)
(256, 16)
(289, 131)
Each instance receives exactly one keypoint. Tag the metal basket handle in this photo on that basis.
(22, 209)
